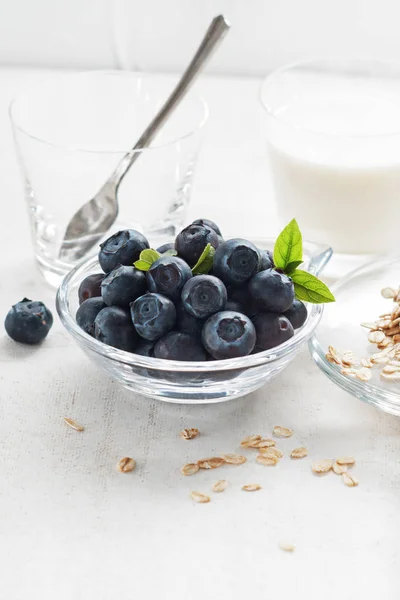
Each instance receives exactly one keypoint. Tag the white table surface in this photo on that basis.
(71, 527)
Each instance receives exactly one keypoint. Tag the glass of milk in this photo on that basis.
(333, 132)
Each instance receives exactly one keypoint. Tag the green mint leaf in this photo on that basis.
(205, 262)
(309, 288)
(288, 246)
(142, 265)
(146, 259)
(171, 252)
(292, 266)
(149, 255)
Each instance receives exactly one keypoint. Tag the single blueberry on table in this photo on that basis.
(297, 314)
(153, 316)
(273, 291)
(145, 348)
(177, 345)
(123, 285)
(266, 260)
(208, 223)
(188, 323)
(192, 240)
(90, 287)
(122, 248)
(272, 330)
(168, 275)
(113, 326)
(235, 261)
(203, 296)
(228, 334)
(28, 322)
(166, 247)
(87, 313)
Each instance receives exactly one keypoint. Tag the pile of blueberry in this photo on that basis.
(241, 306)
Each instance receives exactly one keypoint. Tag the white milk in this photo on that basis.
(335, 158)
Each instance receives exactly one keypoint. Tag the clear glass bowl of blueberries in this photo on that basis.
(198, 320)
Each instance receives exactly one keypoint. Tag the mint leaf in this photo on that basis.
(146, 259)
(142, 265)
(288, 246)
(171, 252)
(205, 262)
(291, 267)
(309, 288)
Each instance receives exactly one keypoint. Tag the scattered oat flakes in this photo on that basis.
(250, 440)
(271, 452)
(366, 363)
(376, 337)
(220, 486)
(349, 372)
(210, 463)
(126, 464)
(234, 459)
(389, 292)
(299, 452)
(251, 487)
(199, 497)
(369, 325)
(264, 443)
(364, 374)
(392, 377)
(189, 434)
(339, 469)
(267, 461)
(282, 431)
(349, 480)
(322, 466)
(190, 469)
(349, 359)
(335, 355)
(74, 424)
(287, 547)
(346, 460)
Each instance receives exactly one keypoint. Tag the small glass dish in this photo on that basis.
(358, 299)
(188, 382)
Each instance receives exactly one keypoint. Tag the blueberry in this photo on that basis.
(188, 323)
(145, 348)
(228, 334)
(123, 285)
(90, 287)
(297, 314)
(192, 240)
(272, 330)
(235, 261)
(166, 247)
(168, 275)
(122, 248)
(203, 296)
(266, 260)
(235, 306)
(273, 291)
(153, 315)
(179, 346)
(208, 223)
(28, 322)
(241, 296)
(113, 326)
(87, 313)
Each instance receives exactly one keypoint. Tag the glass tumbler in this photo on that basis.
(333, 137)
(70, 133)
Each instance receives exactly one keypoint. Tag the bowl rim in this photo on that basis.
(74, 276)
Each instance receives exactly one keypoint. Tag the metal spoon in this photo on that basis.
(94, 219)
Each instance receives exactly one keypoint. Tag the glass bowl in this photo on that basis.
(188, 382)
(358, 299)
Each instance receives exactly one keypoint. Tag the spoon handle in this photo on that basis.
(215, 33)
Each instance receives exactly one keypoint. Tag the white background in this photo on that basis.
(160, 34)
